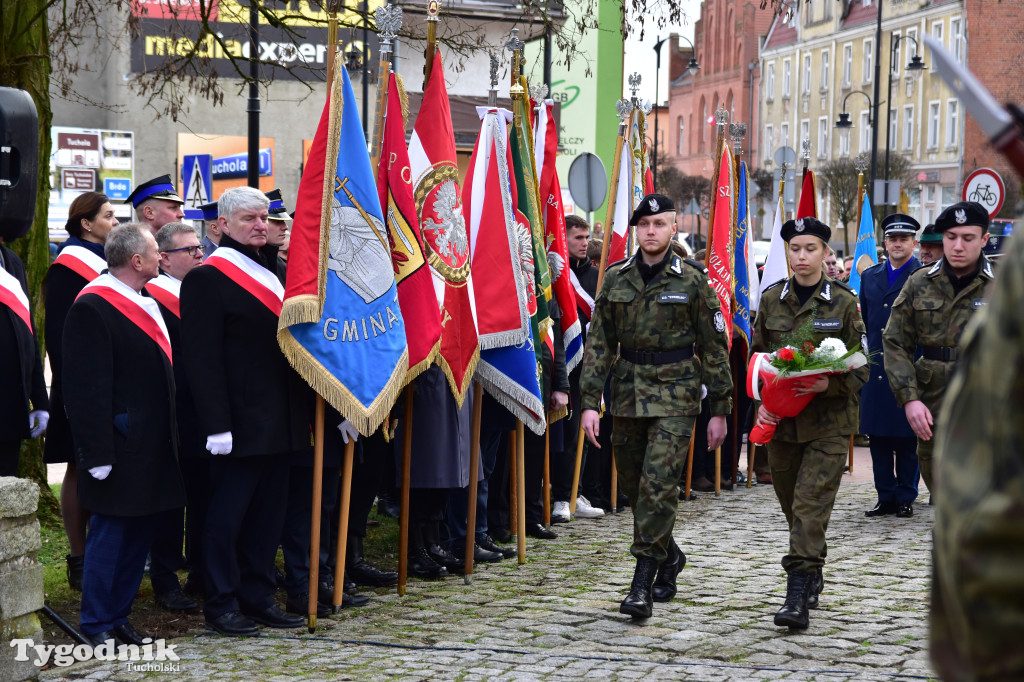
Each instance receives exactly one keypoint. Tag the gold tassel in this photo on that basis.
(404, 97)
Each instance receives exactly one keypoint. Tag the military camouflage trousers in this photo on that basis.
(650, 456)
(806, 477)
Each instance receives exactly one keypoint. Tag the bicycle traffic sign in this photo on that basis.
(985, 187)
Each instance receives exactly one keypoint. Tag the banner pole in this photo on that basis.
(343, 509)
(474, 464)
(521, 491)
(403, 513)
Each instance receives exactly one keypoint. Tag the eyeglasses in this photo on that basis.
(191, 250)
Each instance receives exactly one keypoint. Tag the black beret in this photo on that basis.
(963, 213)
(899, 223)
(652, 204)
(929, 235)
(806, 226)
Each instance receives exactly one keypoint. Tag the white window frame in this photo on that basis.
(952, 123)
(908, 128)
(682, 136)
(912, 45)
(847, 64)
(769, 141)
(805, 75)
(825, 65)
(897, 59)
(937, 30)
(805, 132)
(869, 60)
(787, 78)
(770, 82)
(892, 143)
(823, 141)
(934, 124)
(865, 131)
(956, 38)
(784, 134)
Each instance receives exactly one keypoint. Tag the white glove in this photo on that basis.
(219, 443)
(37, 420)
(703, 391)
(100, 473)
(348, 432)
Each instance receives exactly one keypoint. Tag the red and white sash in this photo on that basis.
(583, 299)
(143, 312)
(82, 261)
(13, 296)
(251, 276)
(167, 291)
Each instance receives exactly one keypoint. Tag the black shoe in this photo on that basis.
(274, 617)
(727, 484)
(665, 582)
(905, 510)
(817, 585)
(480, 555)
(639, 603)
(363, 572)
(129, 635)
(536, 530)
(882, 509)
(299, 605)
(194, 586)
(76, 566)
(442, 556)
(349, 595)
(793, 613)
(388, 508)
(422, 565)
(485, 541)
(502, 535)
(234, 624)
(623, 501)
(102, 637)
(176, 601)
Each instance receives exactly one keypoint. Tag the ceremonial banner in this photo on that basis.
(720, 255)
(501, 253)
(776, 265)
(546, 140)
(638, 153)
(341, 325)
(617, 249)
(746, 272)
(438, 197)
(808, 207)
(416, 295)
(866, 253)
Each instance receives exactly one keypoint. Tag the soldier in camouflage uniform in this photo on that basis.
(654, 316)
(978, 585)
(808, 451)
(930, 314)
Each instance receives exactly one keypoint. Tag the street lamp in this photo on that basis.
(916, 67)
(844, 123)
(691, 69)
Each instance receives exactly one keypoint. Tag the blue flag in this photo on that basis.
(741, 317)
(865, 246)
(341, 326)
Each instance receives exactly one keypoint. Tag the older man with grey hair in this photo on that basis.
(253, 410)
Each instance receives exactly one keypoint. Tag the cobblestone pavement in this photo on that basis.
(556, 618)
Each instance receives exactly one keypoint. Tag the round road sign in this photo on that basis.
(588, 181)
(985, 187)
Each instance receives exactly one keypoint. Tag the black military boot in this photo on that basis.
(817, 585)
(363, 572)
(76, 567)
(665, 582)
(639, 603)
(793, 613)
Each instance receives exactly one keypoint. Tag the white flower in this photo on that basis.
(829, 350)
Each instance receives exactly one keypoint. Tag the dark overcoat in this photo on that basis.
(22, 386)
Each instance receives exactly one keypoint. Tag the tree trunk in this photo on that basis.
(25, 64)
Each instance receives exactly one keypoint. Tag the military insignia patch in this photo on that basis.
(719, 322)
(828, 324)
(826, 291)
(978, 303)
(864, 343)
(800, 225)
(961, 216)
(653, 204)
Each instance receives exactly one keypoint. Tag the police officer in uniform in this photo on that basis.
(808, 452)
(893, 444)
(654, 316)
(931, 313)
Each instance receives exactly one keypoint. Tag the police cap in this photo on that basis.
(899, 223)
(277, 208)
(157, 188)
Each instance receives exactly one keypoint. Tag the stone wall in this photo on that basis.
(21, 575)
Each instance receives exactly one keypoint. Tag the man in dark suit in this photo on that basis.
(120, 404)
(24, 403)
(180, 251)
(253, 410)
(893, 444)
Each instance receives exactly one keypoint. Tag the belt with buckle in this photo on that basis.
(644, 357)
(941, 353)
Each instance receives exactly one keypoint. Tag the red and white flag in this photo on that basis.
(546, 151)
(438, 196)
(720, 251)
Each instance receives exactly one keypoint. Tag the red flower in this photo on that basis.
(785, 354)
(808, 347)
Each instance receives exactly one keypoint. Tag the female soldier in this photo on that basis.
(808, 451)
(80, 261)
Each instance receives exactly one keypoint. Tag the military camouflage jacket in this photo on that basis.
(836, 314)
(928, 313)
(676, 310)
(978, 592)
